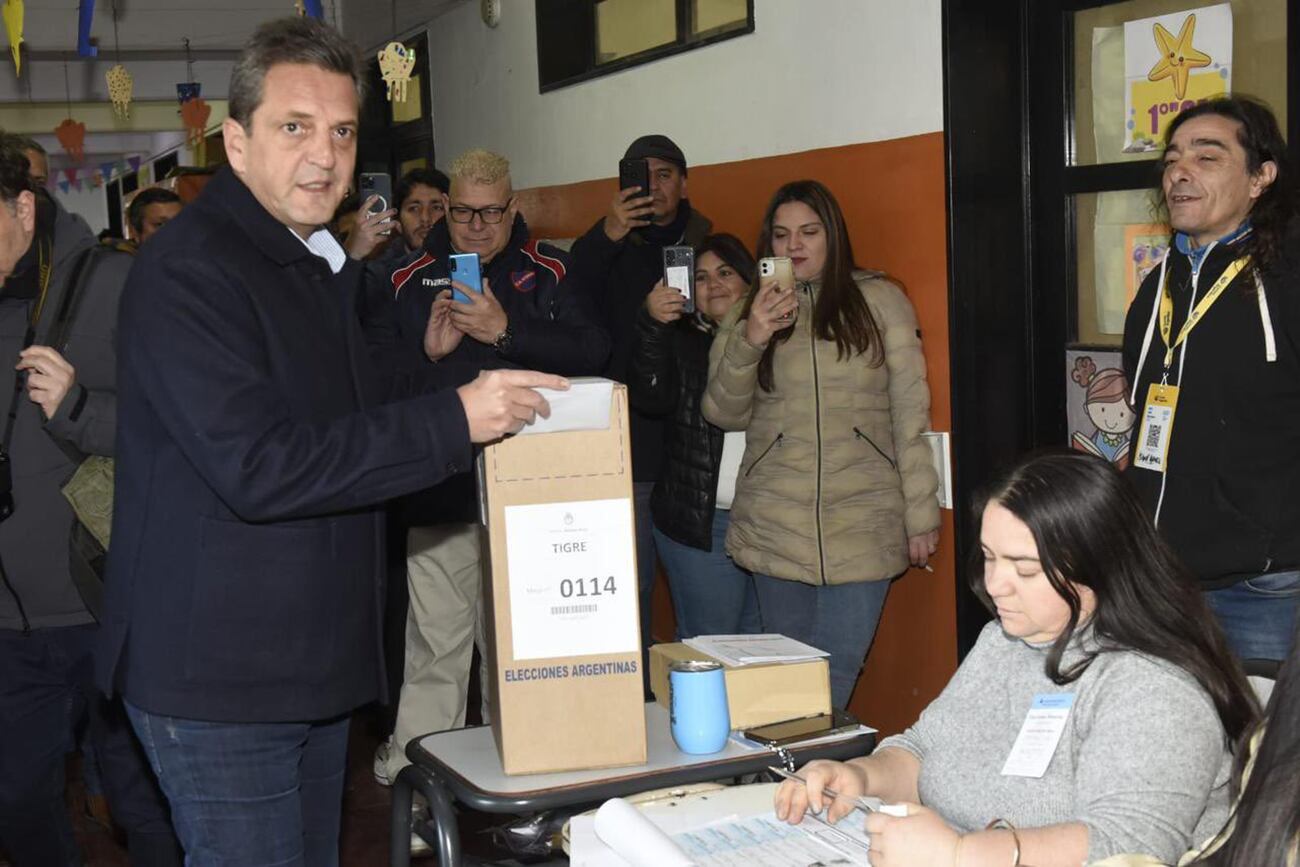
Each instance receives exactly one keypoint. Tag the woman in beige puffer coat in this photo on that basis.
(836, 493)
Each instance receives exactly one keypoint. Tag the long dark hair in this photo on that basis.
(1092, 532)
(1266, 821)
(1260, 137)
(841, 313)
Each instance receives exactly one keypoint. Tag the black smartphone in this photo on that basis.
(794, 730)
(679, 273)
(377, 184)
(634, 173)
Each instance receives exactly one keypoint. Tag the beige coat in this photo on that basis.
(835, 476)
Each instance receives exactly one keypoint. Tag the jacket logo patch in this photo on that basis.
(523, 281)
(435, 281)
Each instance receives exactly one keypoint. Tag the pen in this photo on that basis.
(865, 802)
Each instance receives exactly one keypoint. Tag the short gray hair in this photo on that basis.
(289, 40)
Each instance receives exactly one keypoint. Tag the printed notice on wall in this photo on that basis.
(1172, 62)
(572, 579)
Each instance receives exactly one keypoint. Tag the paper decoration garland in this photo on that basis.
(72, 135)
(396, 62)
(120, 85)
(13, 17)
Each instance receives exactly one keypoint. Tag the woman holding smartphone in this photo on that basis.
(692, 498)
(836, 492)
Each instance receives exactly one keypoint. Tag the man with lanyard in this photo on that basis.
(528, 312)
(58, 308)
(621, 258)
(1210, 347)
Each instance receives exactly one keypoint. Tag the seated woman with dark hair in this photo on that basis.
(691, 502)
(1093, 718)
(1264, 828)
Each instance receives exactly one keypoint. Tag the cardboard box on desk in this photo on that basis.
(565, 643)
(756, 694)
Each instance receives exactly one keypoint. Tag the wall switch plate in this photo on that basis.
(940, 443)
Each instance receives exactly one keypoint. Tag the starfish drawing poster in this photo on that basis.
(1172, 62)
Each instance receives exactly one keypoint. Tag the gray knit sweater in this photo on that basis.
(1143, 761)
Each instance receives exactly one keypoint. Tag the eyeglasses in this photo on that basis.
(490, 214)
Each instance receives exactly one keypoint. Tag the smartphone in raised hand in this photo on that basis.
(465, 269)
(679, 273)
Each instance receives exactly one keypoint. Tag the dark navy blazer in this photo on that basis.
(257, 442)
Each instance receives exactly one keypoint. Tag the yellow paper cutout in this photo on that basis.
(396, 62)
(13, 18)
(1178, 57)
(120, 84)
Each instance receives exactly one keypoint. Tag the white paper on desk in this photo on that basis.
(739, 650)
(620, 836)
(633, 838)
(573, 584)
(585, 406)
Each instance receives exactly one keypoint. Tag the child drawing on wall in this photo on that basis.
(1106, 403)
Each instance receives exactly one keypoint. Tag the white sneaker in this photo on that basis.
(381, 762)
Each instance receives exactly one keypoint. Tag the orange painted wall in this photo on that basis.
(892, 194)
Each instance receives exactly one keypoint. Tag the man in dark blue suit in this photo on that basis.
(256, 442)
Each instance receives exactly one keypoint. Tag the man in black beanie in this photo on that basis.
(621, 257)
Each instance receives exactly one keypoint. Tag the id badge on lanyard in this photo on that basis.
(1157, 426)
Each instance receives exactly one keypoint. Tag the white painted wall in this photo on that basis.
(90, 202)
(815, 73)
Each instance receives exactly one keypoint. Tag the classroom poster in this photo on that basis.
(1099, 418)
(1171, 62)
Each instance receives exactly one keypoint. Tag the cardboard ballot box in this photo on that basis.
(756, 694)
(565, 643)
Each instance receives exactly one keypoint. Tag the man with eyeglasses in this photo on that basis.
(528, 313)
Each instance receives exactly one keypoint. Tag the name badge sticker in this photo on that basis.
(1039, 735)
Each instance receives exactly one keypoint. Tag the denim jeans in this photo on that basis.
(838, 618)
(711, 594)
(46, 695)
(1259, 614)
(250, 794)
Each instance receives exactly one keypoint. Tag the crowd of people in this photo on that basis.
(278, 368)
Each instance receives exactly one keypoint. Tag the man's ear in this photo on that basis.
(685, 178)
(1263, 179)
(25, 211)
(235, 138)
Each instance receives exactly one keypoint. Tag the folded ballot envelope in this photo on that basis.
(561, 589)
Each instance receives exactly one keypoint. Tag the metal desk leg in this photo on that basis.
(440, 831)
(399, 842)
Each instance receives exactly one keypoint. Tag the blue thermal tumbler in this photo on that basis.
(700, 720)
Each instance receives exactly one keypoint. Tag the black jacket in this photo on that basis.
(554, 329)
(548, 311)
(621, 274)
(1231, 507)
(669, 372)
(44, 454)
(256, 445)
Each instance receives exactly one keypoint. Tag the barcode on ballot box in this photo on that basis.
(1153, 436)
(572, 609)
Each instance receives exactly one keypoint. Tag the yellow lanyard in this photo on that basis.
(1203, 306)
(45, 269)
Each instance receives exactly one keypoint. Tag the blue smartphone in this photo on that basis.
(465, 269)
